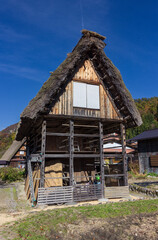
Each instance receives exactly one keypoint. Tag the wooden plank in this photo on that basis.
(101, 158)
(55, 195)
(58, 134)
(124, 154)
(87, 135)
(117, 192)
(37, 184)
(43, 147)
(87, 192)
(114, 175)
(57, 155)
(154, 160)
(86, 155)
(71, 149)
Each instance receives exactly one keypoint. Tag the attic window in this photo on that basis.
(86, 95)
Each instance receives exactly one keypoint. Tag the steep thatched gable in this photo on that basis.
(12, 150)
(90, 46)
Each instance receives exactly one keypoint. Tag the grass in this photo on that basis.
(40, 225)
(15, 194)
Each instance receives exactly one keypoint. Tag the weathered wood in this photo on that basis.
(88, 75)
(87, 192)
(101, 158)
(71, 157)
(57, 155)
(86, 135)
(93, 118)
(81, 125)
(117, 192)
(43, 147)
(55, 195)
(86, 155)
(124, 154)
(154, 160)
(114, 175)
(58, 134)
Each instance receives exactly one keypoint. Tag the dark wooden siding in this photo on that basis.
(150, 145)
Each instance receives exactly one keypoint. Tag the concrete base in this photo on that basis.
(103, 200)
(71, 203)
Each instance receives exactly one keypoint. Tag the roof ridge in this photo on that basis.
(88, 33)
(150, 130)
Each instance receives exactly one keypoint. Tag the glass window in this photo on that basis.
(79, 94)
(86, 95)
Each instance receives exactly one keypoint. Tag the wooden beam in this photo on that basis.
(86, 135)
(86, 155)
(116, 98)
(58, 134)
(114, 175)
(94, 119)
(79, 125)
(122, 108)
(57, 155)
(101, 158)
(112, 155)
(124, 154)
(43, 148)
(127, 117)
(71, 154)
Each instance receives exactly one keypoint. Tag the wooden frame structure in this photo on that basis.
(65, 156)
(69, 130)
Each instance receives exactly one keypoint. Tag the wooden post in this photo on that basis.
(43, 147)
(71, 158)
(101, 158)
(124, 155)
(27, 153)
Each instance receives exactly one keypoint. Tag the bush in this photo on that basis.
(134, 167)
(11, 174)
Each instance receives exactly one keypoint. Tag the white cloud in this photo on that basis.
(23, 72)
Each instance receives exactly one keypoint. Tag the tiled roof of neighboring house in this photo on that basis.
(153, 133)
(116, 148)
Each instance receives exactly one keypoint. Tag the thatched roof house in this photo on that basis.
(90, 46)
(12, 154)
(83, 100)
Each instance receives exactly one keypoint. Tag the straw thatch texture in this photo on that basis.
(90, 46)
(12, 150)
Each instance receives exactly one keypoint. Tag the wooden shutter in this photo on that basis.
(154, 160)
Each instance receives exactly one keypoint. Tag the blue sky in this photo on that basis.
(35, 37)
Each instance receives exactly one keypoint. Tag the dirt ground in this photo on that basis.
(136, 227)
(13, 206)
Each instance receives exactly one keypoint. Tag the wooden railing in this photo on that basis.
(68, 194)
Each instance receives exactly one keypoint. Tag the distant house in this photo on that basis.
(148, 150)
(15, 155)
(112, 150)
(3, 163)
(112, 144)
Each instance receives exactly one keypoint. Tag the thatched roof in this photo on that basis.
(12, 150)
(90, 46)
